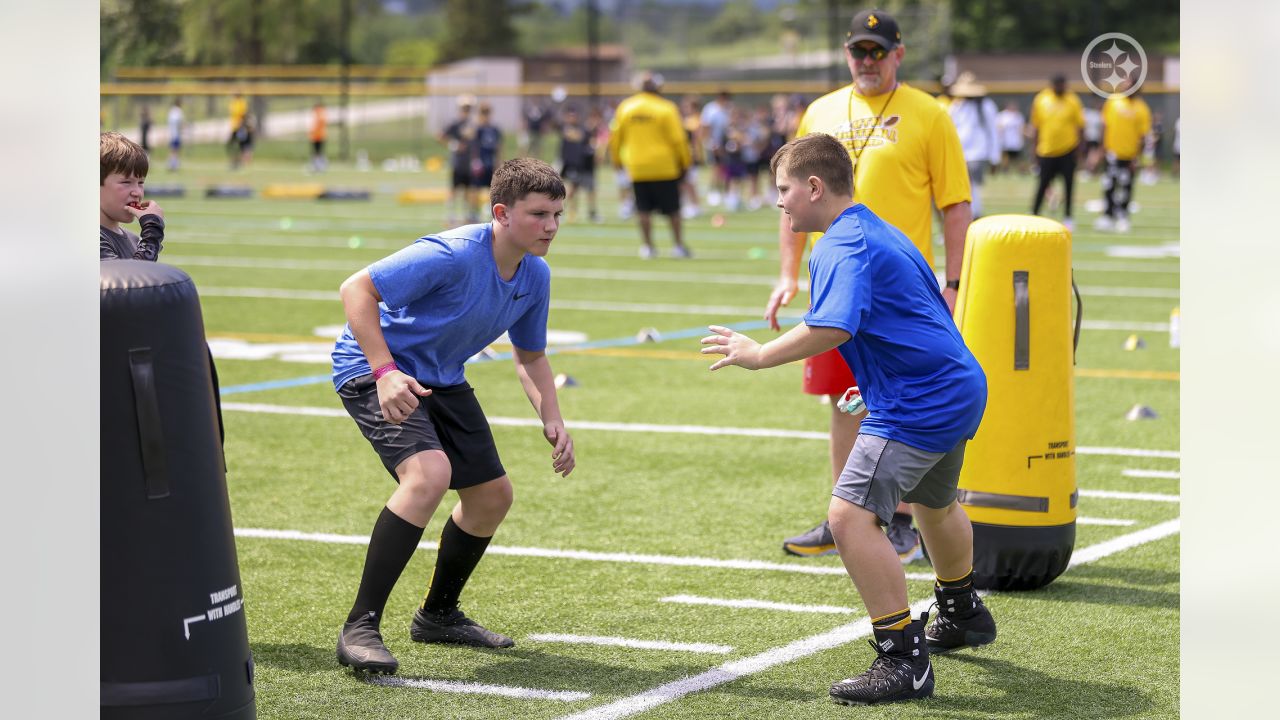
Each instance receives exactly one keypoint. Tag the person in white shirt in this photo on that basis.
(174, 122)
(974, 115)
(1092, 136)
(1011, 126)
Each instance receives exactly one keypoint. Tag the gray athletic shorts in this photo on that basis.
(881, 472)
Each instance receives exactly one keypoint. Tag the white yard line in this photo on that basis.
(1115, 495)
(1157, 474)
(758, 604)
(560, 554)
(470, 688)
(1124, 452)
(608, 641)
(655, 428)
(1111, 522)
(812, 645)
(1124, 542)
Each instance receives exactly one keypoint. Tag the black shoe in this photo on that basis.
(360, 646)
(454, 628)
(817, 541)
(963, 621)
(901, 670)
(904, 538)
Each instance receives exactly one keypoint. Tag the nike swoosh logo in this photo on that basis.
(917, 684)
(517, 297)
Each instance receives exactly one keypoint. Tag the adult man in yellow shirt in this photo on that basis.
(648, 140)
(1126, 120)
(906, 158)
(1057, 120)
(238, 109)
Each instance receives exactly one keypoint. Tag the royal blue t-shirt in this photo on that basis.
(444, 301)
(921, 384)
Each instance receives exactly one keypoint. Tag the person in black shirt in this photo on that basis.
(578, 157)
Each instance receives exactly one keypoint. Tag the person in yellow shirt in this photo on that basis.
(1126, 120)
(1057, 120)
(906, 158)
(239, 110)
(648, 140)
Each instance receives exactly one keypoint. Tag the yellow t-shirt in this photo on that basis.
(648, 136)
(1126, 120)
(911, 156)
(238, 109)
(1058, 121)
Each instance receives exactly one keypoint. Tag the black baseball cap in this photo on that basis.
(877, 26)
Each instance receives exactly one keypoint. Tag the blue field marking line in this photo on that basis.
(592, 345)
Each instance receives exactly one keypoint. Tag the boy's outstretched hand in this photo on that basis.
(562, 460)
(738, 349)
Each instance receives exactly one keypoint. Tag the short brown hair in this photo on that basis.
(518, 177)
(119, 154)
(819, 155)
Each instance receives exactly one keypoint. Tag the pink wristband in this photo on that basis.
(378, 373)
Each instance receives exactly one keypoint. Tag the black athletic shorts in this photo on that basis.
(482, 178)
(449, 419)
(461, 178)
(658, 196)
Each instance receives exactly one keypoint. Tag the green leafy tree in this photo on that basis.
(139, 33)
(738, 19)
(257, 32)
(480, 28)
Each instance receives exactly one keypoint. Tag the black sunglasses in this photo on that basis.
(876, 52)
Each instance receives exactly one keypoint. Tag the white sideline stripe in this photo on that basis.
(1105, 521)
(1114, 495)
(790, 652)
(551, 553)
(1161, 474)
(648, 427)
(759, 604)
(451, 686)
(608, 641)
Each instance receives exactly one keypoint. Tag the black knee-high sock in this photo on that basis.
(390, 546)
(459, 554)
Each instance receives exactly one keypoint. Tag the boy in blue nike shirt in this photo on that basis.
(413, 319)
(876, 300)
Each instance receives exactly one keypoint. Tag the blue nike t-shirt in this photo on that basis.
(921, 384)
(443, 301)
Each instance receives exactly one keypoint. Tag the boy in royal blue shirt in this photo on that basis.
(877, 301)
(414, 318)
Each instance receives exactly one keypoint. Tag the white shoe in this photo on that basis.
(647, 252)
(681, 252)
(1104, 223)
(1069, 224)
(1122, 225)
